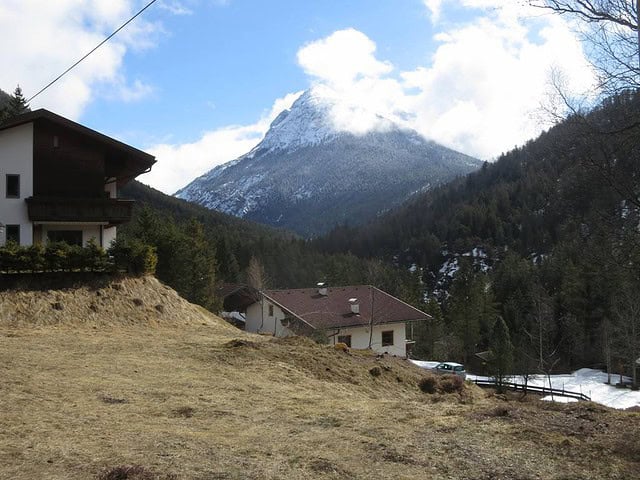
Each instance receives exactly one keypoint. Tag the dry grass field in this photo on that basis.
(128, 381)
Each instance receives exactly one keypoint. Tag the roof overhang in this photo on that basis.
(123, 162)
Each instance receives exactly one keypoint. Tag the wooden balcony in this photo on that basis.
(112, 211)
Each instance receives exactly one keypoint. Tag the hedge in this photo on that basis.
(133, 257)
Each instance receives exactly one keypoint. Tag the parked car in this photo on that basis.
(450, 368)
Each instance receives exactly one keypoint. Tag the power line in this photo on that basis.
(93, 49)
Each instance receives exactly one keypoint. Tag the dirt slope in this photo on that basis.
(177, 393)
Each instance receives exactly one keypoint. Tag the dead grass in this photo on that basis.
(205, 401)
(118, 302)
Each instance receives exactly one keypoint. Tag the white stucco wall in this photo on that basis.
(111, 187)
(108, 236)
(259, 321)
(16, 158)
(360, 338)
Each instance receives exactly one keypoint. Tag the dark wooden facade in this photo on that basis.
(72, 166)
(113, 211)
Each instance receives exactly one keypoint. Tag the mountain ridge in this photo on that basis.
(308, 175)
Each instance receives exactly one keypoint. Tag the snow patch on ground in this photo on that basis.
(586, 380)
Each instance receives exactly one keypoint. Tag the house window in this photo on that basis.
(346, 339)
(13, 233)
(70, 237)
(387, 338)
(13, 186)
(271, 310)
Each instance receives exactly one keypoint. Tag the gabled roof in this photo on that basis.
(237, 297)
(334, 309)
(132, 162)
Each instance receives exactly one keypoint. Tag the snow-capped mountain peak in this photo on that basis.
(308, 122)
(324, 163)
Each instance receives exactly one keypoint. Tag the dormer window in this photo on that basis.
(13, 186)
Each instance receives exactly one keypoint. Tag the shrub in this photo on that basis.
(9, 257)
(34, 257)
(444, 384)
(133, 256)
(56, 256)
(319, 335)
(375, 371)
(96, 259)
(451, 383)
(428, 384)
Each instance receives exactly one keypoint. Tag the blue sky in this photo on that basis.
(197, 82)
(225, 64)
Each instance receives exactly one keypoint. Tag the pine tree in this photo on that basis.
(200, 266)
(16, 106)
(500, 352)
(428, 333)
(465, 308)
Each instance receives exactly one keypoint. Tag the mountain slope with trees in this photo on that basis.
(200, 248)
(545, 238)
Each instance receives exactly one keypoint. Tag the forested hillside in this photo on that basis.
(199, 248)
(545, 238)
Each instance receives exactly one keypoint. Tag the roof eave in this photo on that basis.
(42, 114)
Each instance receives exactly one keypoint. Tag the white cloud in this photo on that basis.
(133, 92)
(342, 58)
(175, 7)
(481, 93)
(179, 164)
(434, 6)
(43, 45)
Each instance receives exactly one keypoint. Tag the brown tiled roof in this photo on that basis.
(334, 309)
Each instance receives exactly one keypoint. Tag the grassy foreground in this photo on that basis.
(185, 396)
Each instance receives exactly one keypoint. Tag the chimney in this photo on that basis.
(355, 306)
(322, 288)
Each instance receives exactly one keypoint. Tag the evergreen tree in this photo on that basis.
(428, 334)
(465, 308)
(199, 278)
(500, 352)
(17, 105)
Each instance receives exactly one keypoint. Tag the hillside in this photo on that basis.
(89, 394)
(230, 243)
(529, 200)
(547, 235)
(308, 175)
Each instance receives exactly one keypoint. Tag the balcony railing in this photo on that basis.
(113, 211)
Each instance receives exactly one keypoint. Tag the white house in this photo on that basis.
(59, 180)
(359, 316)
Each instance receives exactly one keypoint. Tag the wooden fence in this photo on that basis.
(519, 387)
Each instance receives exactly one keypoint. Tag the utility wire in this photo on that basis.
(94, 49)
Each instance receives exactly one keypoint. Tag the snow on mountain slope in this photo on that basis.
(307, 175)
